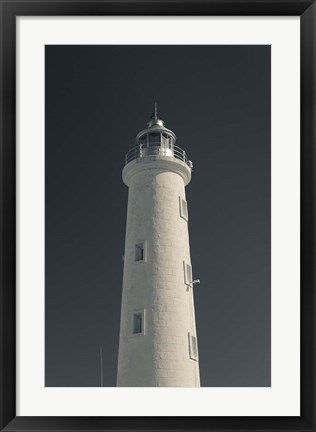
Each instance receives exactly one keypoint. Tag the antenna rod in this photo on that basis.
(101, 366)
(156, 113)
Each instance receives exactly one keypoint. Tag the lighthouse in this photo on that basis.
(158, 340)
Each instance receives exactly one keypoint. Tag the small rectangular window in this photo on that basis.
(193, 348)
(187, 273)
(183, 208)
(138, 324)
(140, 251)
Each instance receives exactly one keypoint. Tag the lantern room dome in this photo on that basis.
(155, 141)
(156, 133)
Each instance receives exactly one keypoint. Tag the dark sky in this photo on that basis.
(217, 100)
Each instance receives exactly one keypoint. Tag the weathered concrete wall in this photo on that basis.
(161, 356)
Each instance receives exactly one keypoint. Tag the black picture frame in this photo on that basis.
(9, 10)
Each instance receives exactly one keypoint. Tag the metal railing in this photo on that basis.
(143, 150)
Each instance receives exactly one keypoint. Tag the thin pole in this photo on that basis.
(101, 366)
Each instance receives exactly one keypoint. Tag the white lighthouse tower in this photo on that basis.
(158, 340)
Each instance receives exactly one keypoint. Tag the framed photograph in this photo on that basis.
(158, 258)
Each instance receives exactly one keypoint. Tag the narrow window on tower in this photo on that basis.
(140, 252)
(187, 273)
(183, 208)
(138, 323)
(193, 348)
